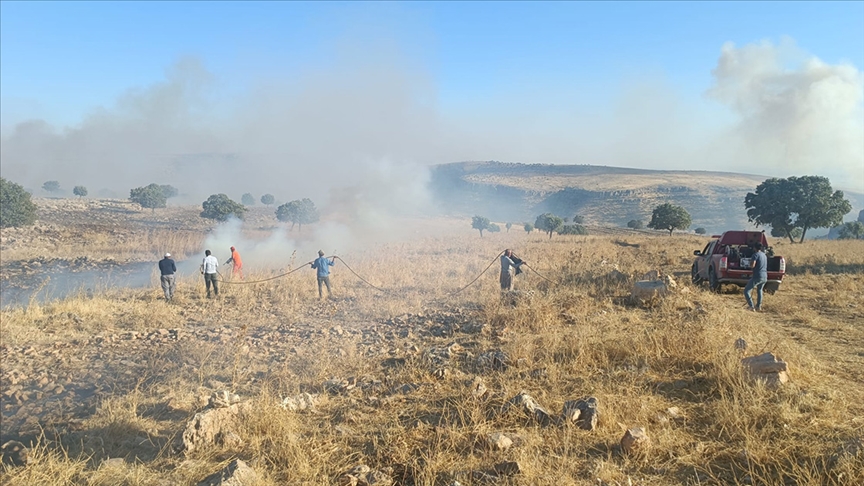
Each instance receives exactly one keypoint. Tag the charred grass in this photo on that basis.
(576, 337)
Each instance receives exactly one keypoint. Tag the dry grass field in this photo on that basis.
(394, 373)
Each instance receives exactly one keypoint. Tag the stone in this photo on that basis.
(15, 454)
(507, 468)
(767, 368)
(496, 360)
(582, 412)
(527, 403)
(741, 344)
(635, 440)
(339, 385)
(498, 441)
(363, 475)
(303, 401)
(236, 473)
(651, 275)
(478, 388)
(222, 399)
(213, 426)
(114, 462)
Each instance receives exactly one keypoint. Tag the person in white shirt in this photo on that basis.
(209, 268)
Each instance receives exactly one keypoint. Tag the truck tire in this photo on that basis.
(694, 275)
(712, 280)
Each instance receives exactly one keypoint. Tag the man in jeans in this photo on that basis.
(167, 268)
(509, 267)
(758, 279)
(323, 266)
(209, 268)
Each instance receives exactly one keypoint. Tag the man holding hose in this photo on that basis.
(323, 266)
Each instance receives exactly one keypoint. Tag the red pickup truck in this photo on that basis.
(726, 259)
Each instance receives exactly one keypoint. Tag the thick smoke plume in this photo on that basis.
(798, 114)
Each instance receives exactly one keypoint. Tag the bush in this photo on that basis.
(700, 231)
(493, 228)
(635, 224)
(247, 199)
(572, 229)
(852, 231)
(51, 186)
(151, 196)
(299, 212)
(578, 219)
(16, 208)
(267, 199)
(220, 207)
(79, 191)
(528, 227)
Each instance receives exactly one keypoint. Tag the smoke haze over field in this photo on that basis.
(356, 134)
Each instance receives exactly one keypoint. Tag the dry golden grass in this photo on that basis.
(589, 340)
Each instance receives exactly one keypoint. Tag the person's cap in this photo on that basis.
(167, 255)
(320, 252)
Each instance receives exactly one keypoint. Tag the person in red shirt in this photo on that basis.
(237, 271)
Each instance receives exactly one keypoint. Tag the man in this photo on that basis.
(209, 267)
(323, 266)
(167, 268)
(758, 279)
(509, 266)
(237, 271)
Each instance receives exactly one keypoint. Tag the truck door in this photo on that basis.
(705, 260)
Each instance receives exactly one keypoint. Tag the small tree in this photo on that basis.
(572, 229)
(669, 217)
(508, 226)
(151, 196)
(16, 208)
(493, 228)
(480, 223)
(528, 227)
(578, 219)
(548, 222)
(220, 207)
(635, 224)
(51, 186)
(247, 199)
(700, 231)
(79, 191)
(267, 199)
(299, 212)
(852, 231)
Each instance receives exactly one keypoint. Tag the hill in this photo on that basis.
(602, 195)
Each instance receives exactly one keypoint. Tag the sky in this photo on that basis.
(308, 96)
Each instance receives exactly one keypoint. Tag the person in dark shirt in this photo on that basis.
(758, 279)
(167, 268)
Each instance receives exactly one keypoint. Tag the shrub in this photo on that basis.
(548, 222)
(578, 219)
(480, 223)
(151, 196)
(16, 208)
(247, 199)
(700, 231)
(635, 224)
(852, 231)
(220, 207)
(572, 229)
(79, 191)
(493, 228)
(528, 227)
(299, 212)
(267, 199)
(51, 186)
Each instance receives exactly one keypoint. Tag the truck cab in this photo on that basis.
(727, 259)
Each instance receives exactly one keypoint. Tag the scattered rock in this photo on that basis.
(222, 399)
(214, 426)
(114, 462)
(363, 475)
(303, 401)
(526, 402)
(583, 412)
(15, 454)
(338, 385)
(237, 473)
(635, 440)
(496, 360)
(741, 344)
(507, 468)
(648, 290)
(651, 275)
(766, 367)
(498, 441)
(478, 388)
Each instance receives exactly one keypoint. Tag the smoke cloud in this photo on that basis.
(797, 114)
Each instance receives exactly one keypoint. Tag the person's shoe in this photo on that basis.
(758, 309)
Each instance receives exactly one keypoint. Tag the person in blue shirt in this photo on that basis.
(323, 266)
(758, 279)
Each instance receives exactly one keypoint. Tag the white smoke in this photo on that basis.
(797, 114)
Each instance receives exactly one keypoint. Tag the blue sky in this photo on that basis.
(512, 80)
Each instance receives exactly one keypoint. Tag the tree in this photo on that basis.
(51, 186)
(79, 191)
(247, 199)
(16, 208)
(548, 222)
(853, 230)
(151, 196)
(796, 202)
(528, 227)
(635, 224)
(779, 232)
(267, 199)
(861, 216)
(299, 212)
(480, 223)
(572, 229)
(578, 219)
(508, 226)
(493, 228)
(169, 191)
(700, 231)
(669, 217)
(220, 207)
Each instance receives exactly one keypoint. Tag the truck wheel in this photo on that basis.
(712, 280)
(694, 275)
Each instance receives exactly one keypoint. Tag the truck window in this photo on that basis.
(708, 248)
